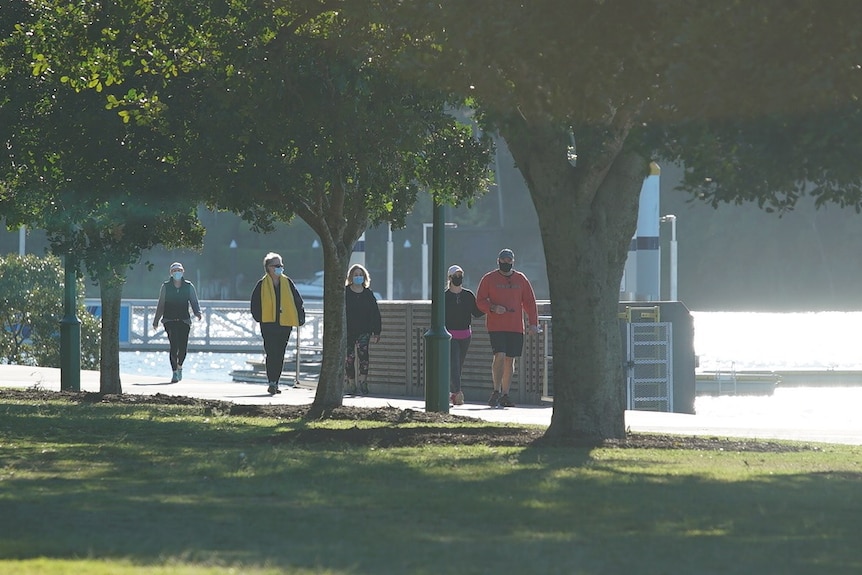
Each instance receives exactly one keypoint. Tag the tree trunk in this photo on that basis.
(109, 362)
(587, 216)
(330, 385)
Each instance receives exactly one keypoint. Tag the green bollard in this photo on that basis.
(437, 338)
(70, 331)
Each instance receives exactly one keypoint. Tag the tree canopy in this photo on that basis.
(104, 190)
(271, 114)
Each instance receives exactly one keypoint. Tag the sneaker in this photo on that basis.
(350, 387)
(273, 389)
(495, 398)
(458, 398)
(505, 401)
(180, 373)
(175, 377)
(363, 387)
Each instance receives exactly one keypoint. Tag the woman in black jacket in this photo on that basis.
(277, 307)
(363, 322)
(461, 308)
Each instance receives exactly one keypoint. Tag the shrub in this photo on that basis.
(31, 307)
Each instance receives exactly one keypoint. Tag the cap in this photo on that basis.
(506, 253)
(454, 269)
(176, 266)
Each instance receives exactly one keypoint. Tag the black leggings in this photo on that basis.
(178, 335)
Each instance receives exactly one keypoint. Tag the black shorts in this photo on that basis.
(509, 342)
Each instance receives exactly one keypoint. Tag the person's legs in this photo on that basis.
(514, 348)
(174, 337)
(275, 340)
(498, 347)
(362, 356)
(458, 353)
(173, 340)
(182, 336)
(350, 364)
(508, 366)
(497, 367)
(454, 366)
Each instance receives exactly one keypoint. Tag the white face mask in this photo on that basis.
(177, 275)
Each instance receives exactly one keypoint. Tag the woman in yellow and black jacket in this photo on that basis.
(277, 307)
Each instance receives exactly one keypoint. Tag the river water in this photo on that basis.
(722, 340)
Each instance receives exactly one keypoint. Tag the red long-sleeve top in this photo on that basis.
(515, 293)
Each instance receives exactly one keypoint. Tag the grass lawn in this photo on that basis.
(98, 488)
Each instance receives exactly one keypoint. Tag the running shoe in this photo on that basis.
(494, 399)
(506, 402)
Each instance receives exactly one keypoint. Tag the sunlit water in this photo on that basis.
(204, 366)
(722, 340)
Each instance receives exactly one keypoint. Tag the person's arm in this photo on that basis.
(193, 301)
(256, 311)
(376, 320)
(297, 301)
(475, 311)
(483, 296)
(160, 307)
(528, 301)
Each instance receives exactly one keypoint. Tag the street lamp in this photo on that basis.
(673, 255)
(425, 227)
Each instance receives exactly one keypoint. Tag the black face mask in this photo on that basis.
(456, 281)
(505, 267)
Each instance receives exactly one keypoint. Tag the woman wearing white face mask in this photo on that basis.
(175, 297)
(363, 322)
(277, 307)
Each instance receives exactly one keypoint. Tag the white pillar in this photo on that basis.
(648, 256)
(425, 259)
(389, 265)
(358, 255)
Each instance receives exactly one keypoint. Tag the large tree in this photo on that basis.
(759, 101)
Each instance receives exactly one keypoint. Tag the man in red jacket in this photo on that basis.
(505, 295)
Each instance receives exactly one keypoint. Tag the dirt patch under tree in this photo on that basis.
(396, 434)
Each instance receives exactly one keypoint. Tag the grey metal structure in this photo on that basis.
(649, 374)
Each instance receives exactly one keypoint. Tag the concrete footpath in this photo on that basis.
(792, 428)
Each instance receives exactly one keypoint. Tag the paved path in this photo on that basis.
(820, 430)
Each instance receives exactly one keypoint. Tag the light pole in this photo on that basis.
(389, 266)
(232, 288)
(437, 338)
(673, 255)
(425, 227)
